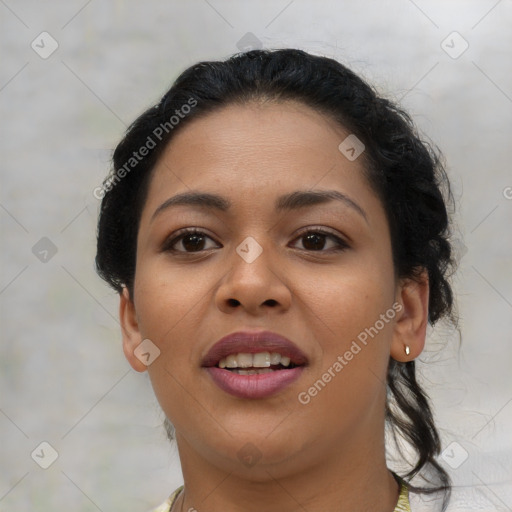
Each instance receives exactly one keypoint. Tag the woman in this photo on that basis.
(278, 237)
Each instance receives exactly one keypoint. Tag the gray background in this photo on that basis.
(64, 379)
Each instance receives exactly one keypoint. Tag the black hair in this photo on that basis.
(405, 171)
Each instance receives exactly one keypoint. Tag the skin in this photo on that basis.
(321, 456)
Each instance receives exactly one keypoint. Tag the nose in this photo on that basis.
(255, 286)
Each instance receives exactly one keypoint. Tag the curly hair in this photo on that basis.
(405, 172)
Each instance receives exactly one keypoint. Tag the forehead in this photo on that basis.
(256, 151)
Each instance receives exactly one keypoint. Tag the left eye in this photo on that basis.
(316, 241)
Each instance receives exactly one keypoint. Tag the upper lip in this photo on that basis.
(252, 342)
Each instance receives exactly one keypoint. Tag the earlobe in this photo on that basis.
(132, 337)
(412, 319)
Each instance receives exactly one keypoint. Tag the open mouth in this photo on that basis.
(256, 364)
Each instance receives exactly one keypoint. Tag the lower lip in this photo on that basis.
(254, 386)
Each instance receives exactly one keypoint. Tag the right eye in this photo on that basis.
(190, 240)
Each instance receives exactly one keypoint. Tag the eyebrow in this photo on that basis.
(287, 202)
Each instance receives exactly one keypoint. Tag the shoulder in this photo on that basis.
(166, 506)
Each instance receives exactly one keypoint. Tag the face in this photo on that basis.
(316, 269)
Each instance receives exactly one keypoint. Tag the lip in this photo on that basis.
(252, 343)
(253, 386)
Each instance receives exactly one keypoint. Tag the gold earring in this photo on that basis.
(407, 350)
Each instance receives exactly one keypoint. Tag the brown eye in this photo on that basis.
(316, 240)
(193, 242)
(188, 241)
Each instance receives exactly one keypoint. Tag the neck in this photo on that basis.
(352, 477)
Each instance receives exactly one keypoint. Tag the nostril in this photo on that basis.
(233, 302)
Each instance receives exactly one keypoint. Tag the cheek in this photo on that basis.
(173, 311)
(347, 301)
(348, 383)
(169, 307)
(166, 301)
(346, 309)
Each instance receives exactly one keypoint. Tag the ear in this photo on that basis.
(130, 330)
(412, 318)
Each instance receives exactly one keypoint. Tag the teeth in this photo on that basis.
(230, 361)
(253, 372)
(285, 361)
(275, 358)
(259, 360)
(244, 360)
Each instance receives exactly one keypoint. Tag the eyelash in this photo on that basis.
(171, 241)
